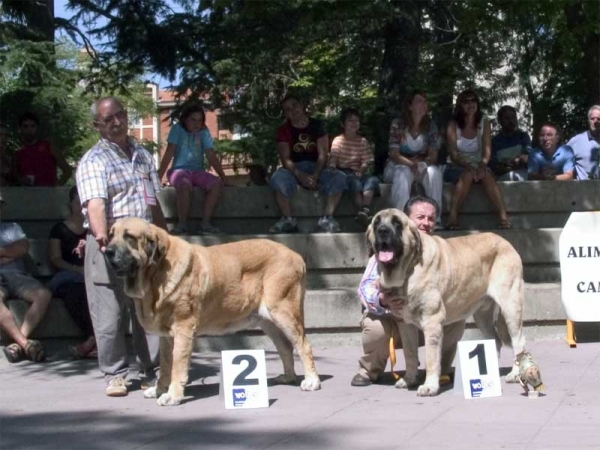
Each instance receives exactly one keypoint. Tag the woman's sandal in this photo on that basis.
(35, 351)
(452, 227)
(504, 225)
(84, 349)
(13, 353)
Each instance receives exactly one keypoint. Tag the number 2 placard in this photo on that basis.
(477, 373)
(244, 379)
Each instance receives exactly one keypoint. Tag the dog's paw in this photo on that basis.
(168, 400)
(283, 379)
(428, 390)
(153, 392)
(310, 384)
(150, 392)
(401, 384)
(409, 380)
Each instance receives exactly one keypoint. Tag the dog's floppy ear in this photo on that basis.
(416, 234)
(370, 238)
(155, 248)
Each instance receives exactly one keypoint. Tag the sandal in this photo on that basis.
(452, 227)
(35, 351)
(83, 349)
(13, 353)
(504, 225)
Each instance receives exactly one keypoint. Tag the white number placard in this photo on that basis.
(244, 379)
(477, 373)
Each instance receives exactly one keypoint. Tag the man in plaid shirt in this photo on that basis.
(116, 178)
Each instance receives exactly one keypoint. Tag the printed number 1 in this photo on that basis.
(242, 379)
(479, 351)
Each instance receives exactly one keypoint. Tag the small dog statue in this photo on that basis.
(529, 373)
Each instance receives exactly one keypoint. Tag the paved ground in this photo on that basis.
(61, 405)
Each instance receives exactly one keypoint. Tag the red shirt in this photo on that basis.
(302, 141)
(37, 160)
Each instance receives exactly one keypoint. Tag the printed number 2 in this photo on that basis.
(242, 379)
(479, 351)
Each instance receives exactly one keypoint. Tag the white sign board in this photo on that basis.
(244, 379)
(579, 247)
(477, 373)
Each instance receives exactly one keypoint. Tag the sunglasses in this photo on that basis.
(468, 100)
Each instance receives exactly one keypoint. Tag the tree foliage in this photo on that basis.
(50, 79)
(246, 55)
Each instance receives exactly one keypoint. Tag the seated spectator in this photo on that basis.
(188, 142)
(36, 161)
(413, 153)
(7, 174)
(468, 138)
(377, 324)
(303, 146)
(551, 161)
(66, 247)
(510, 148)
(586, 148)
(352, 155)
(16, 283)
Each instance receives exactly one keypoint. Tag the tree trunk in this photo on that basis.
(584, 16)
(444, 71)
(42, 19)
(402, 37)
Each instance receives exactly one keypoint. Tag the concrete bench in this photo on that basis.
(252, 210)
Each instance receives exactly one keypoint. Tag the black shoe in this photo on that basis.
(359, 380)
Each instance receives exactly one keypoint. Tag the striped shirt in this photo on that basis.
(106, 172)
(351, 154)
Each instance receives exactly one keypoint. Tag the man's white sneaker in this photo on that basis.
(117, 387)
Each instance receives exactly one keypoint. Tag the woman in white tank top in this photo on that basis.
(413, 152)
(469, 146)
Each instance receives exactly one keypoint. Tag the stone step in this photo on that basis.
(347, 252)
(252, 210)
(326, 311)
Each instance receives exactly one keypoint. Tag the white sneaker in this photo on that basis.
(284, 225)
(328, 224)
(117, 387)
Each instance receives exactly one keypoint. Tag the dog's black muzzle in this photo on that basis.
(388, 244)
(122, 262)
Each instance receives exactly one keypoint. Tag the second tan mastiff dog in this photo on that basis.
(442, 282)
(182, 290)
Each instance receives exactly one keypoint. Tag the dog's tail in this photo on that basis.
(491, 322)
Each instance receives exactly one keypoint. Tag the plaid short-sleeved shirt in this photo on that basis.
(106, 172)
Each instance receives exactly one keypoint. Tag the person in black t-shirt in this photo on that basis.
(66, 251)
(303, 147)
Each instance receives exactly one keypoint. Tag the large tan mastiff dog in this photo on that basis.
(442, 282)
(182, 290)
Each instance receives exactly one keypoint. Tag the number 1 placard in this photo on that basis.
(477, 373)
(244, 379)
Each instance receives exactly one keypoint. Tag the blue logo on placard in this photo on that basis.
(239, 397)
(476, 388)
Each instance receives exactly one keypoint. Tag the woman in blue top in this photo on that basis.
(188, 142)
